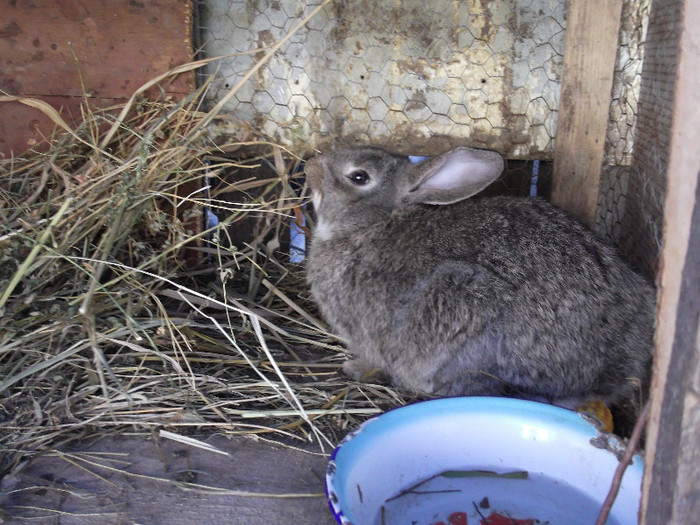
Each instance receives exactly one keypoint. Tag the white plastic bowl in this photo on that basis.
(432, 462)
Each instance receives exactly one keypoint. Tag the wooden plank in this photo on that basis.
(101, 47)
(150, 484)
(23, 127)
(672, 479)
(104, 49)
(589, 60)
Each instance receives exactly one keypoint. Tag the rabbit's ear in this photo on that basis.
(453, 176)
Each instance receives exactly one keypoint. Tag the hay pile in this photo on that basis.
(120, 312)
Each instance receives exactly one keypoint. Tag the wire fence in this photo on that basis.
(420, 78)
(413, 76)
(630, 203)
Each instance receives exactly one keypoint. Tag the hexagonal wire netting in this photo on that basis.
(632, 186)
(414, 76)
(420, 77)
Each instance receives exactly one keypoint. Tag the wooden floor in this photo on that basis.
(130, 480)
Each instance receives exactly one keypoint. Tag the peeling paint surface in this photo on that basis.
(414, 76)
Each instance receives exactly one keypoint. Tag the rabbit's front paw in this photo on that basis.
(359, 369)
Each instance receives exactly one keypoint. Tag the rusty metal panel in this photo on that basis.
(415, 76)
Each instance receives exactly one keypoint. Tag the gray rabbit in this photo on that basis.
(455, 296)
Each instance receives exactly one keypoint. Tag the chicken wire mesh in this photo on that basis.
(421, 77)
(633, 182)
(630, 202)
(413, 76)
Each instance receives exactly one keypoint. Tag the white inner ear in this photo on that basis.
(449, 176)
(459, 170)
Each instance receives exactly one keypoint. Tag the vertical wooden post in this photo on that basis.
(672, 475)
(592, 30)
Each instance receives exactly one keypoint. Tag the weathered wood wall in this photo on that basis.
(130, 479)
(69, 51)
(672, 477)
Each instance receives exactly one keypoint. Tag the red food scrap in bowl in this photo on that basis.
(460, 518)
(456, 518)
(499, 519)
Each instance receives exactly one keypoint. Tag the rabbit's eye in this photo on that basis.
(359, 177)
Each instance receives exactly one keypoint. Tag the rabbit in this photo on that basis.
(450, 296)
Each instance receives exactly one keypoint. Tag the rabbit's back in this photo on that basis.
(512, 288)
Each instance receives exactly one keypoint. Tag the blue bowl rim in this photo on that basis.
(576, 420)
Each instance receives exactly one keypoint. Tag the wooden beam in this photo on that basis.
(589, 61)
(671, 477)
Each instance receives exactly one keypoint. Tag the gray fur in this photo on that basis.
(466, 297)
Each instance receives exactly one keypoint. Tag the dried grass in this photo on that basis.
(105, 328)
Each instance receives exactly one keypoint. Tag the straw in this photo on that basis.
(106, 324)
